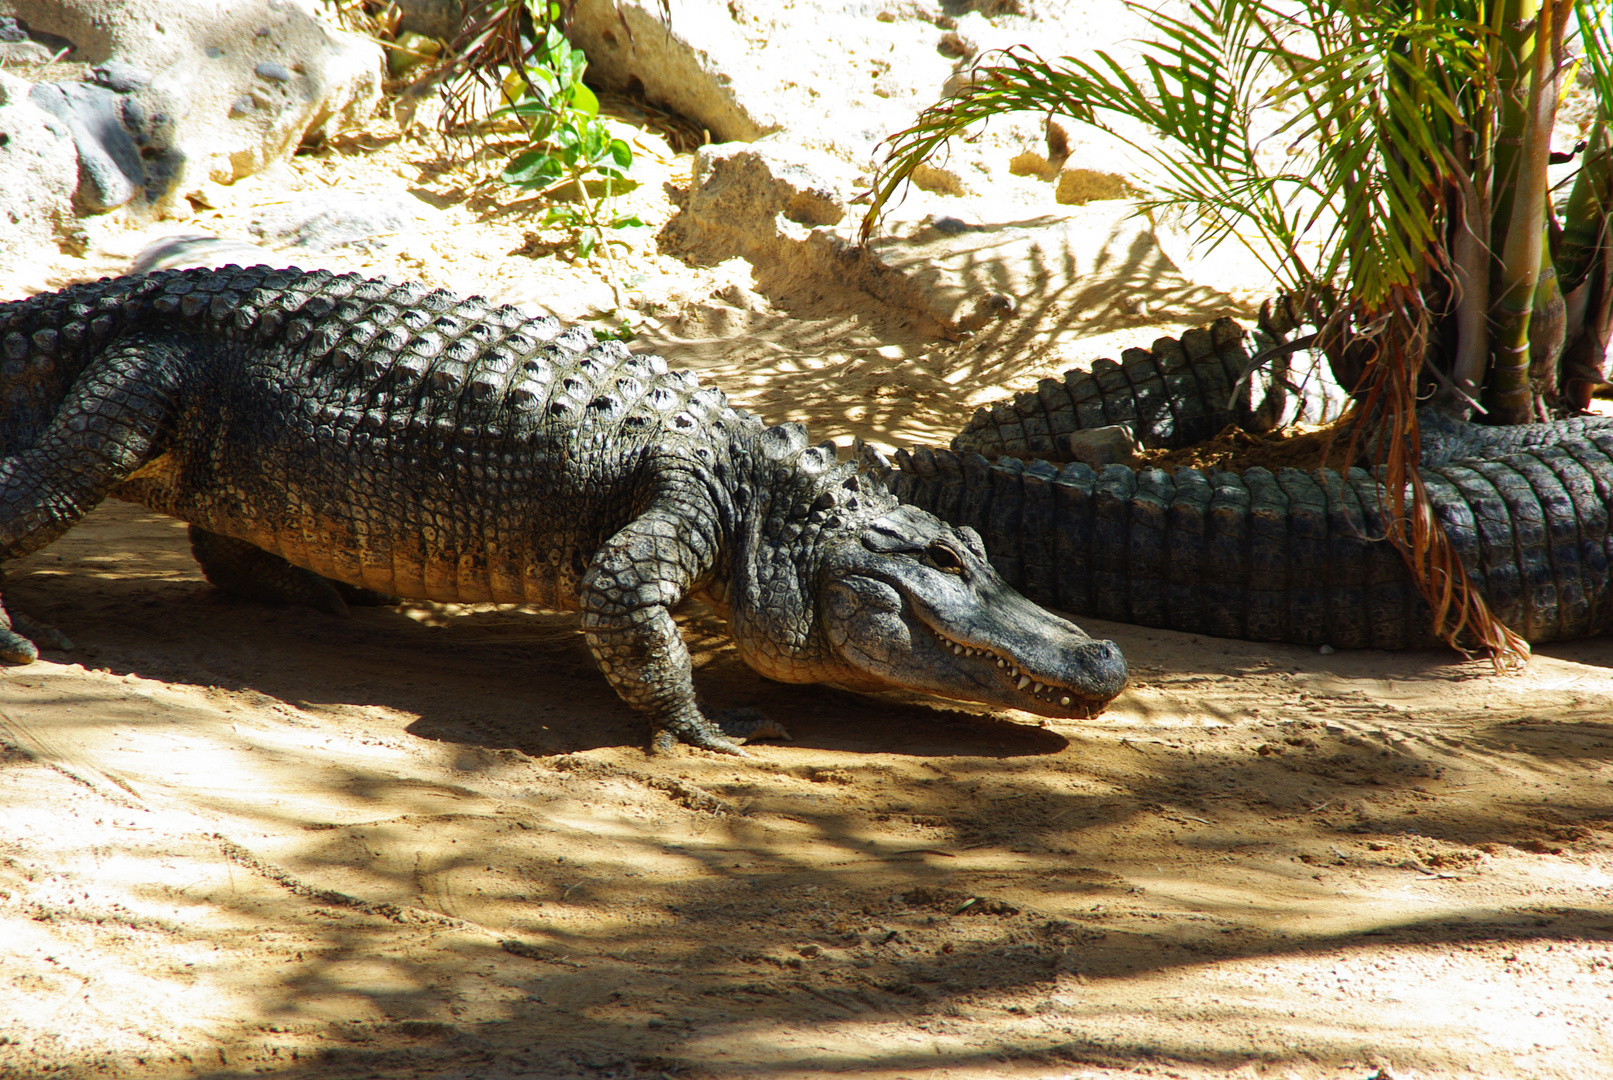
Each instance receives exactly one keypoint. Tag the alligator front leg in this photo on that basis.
(106, 427)
(627, 598)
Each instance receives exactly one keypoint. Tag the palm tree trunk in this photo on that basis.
(1547, 332)
(1585, 265)
(1585, 359)
(1523, 149)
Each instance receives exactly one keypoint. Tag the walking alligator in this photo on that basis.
(331, 439)
(1287, 556)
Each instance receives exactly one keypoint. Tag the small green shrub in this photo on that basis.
(571, 154)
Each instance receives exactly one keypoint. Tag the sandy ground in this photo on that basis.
(428, 841)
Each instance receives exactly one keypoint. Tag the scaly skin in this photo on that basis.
(332, 439)
(1174, 394)
(1286, 556)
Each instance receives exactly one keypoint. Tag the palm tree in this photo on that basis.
(1408, 219)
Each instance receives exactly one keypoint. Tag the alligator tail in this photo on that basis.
(1173, 395)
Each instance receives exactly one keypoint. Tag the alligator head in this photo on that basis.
(905, 601)
(909, 601)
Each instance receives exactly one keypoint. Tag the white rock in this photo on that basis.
(38, 175)
(203, 90)
(1115, 444)
(699, 66)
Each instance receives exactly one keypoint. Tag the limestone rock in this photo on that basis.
(38, 174)
(184, 91)
(16, 47)
(757, 199)
(110, 131)
(841, 75)
(698, 66)
(1078, 186)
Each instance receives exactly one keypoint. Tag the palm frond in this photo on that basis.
(1380, 108)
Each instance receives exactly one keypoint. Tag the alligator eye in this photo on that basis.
(945, 559)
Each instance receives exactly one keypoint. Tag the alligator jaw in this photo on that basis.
(1049, 697)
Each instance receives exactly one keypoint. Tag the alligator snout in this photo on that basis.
(1104, 670)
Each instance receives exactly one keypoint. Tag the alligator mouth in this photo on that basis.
(1044, 693)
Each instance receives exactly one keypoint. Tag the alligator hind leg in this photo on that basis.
(247, 570)
(105, 428)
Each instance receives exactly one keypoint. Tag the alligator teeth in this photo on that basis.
(1040, 691)
(1037, 689)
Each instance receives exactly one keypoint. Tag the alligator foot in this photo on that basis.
(246, 570)
(16, 649)
(722, 732)
(22, 637)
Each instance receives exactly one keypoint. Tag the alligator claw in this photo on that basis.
(16, 649)
(21, 637)
(720, 730)
(667, 739)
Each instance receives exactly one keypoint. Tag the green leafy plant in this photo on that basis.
(495, 39)
(572, 154)
(623, 331)
(517, 51)
(1408, 218)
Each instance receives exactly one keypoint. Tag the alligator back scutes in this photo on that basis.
(381, 340)
(351, 343)
(1287, 556)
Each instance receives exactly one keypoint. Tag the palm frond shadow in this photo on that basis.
(582, 968)
(1024, 294)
